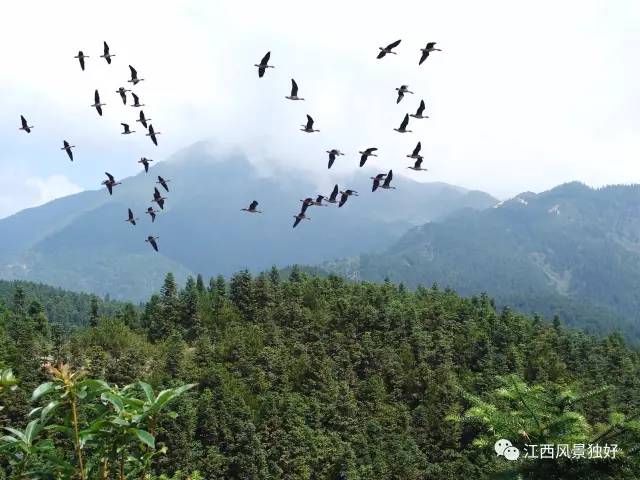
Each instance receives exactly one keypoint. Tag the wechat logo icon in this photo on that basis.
(503, 447)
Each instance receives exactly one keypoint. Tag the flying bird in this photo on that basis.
(416, 151)
(81, 56)
(252, 207)
(152, 133)
(123, 94)
(388, 49)
(318, 201)
(401, 91)
(106, 55)
(150, 211)
(262, 66)
(145, 161)
(25, 126)
(403, 125)
(366, 154)
(418, 113)
(309, 126)
(134, 76)
(345, 196)
(152, 241)
(142, 119)
(136, 101)
(333, 153)
(163, 182)
(96, 103)
(127, 130)
(334, 195)
(158, 198)
(68, 148)
(306, 203)
(294, 91)
(417, 167)
(299, 217)
(376, 181)
(131, 219)
(427, 50)
(386, 185)
(110, 182)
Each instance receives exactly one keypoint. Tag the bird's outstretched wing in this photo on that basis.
(294, 88)
(394, 44)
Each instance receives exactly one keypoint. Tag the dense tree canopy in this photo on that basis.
(303, 377)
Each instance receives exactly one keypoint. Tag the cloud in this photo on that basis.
(19, 192)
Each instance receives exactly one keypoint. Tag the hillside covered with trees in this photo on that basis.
(306, 377)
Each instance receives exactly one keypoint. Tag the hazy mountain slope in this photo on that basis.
(571, 246)
(86, 244)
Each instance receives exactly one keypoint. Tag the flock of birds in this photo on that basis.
(381, 180)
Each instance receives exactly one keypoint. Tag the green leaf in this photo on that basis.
(115, 400)
(148, 391)
(32, 430)
(17, 433)
(42, 390)
(146, 438)
(49, 408)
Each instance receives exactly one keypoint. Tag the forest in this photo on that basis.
(298, 376)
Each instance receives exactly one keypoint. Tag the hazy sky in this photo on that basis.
(525, 95)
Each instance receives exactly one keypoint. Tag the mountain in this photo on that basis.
(572, 250)
(82, 242)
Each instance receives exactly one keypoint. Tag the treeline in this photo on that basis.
(306, 377)
(61, 306)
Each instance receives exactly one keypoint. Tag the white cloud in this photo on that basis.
(18, 192)
(524, 95)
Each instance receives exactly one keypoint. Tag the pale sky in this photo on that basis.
(524, 95)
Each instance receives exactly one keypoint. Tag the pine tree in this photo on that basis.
(241, 292)
(94, 312)
(200, 284)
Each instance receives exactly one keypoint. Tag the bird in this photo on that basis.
(158, 198)
(333, 153)
(145, 161)
(134, 76)
(150, 211)
(416, 151)
(306, 203)
(131, 219)
(123, 94)
(427, 50)
(309, 126)
(252, 207)
(294, 91)
(136, 101)
(152, 241)
(417, 167)
(142, 119)
(96, 103)
(81, 56)
(388, 49)
(25, 126)
(152, 133)
(107, 56)
(376, 181)
(299, 217)
(334, 195)
(345, 196)
(110, 182)
(262, 66)
(68, 148)
(366, 154)
(401, 91)
(163, 182)
(127, 130)
(318, 201)
(387, 181)
(418, 113)
(403, 125)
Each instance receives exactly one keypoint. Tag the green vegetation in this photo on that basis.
(316, 378)
(572, 251)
